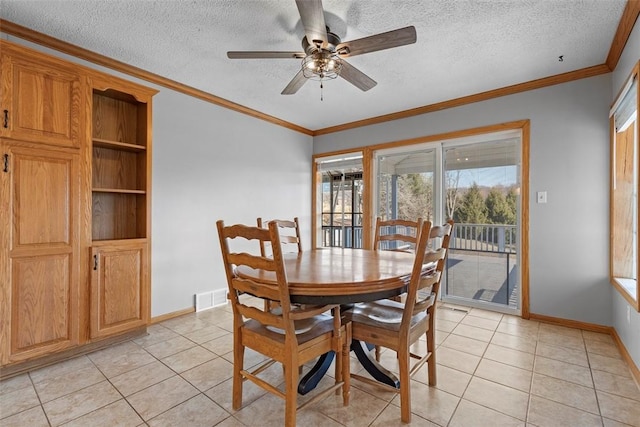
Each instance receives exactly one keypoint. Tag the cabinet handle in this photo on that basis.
(5, 167)
(95, 262)
(6, 119)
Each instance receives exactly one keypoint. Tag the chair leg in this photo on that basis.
(291, 394)
(346, 366)
(405, 386)
(238, 365)
(377, 347)
(431, 362)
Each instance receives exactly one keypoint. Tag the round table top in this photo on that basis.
(337, 275)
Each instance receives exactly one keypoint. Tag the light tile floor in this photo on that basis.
(493, 370)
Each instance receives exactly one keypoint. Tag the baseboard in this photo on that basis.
(626, 356)
(172, 315)
(594, 328)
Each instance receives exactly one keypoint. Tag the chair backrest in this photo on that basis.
(273, 266)
(443, 234)
(396, 234)
(428, 268)
(289, 231)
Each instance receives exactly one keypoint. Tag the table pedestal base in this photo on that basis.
(363, 353)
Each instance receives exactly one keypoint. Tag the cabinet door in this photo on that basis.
(38, 251)
(40, 101)
(119, 287)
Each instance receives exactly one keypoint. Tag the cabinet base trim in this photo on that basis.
(18, 368)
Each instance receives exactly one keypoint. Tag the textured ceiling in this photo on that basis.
(464, 46)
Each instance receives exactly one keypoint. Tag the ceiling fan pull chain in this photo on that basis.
(321, 91)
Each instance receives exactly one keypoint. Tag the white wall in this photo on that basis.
(626, 320)
(212, 163)
(569, 159)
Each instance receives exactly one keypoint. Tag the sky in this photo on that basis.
(488, 177)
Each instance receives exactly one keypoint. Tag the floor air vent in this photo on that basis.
(207, 300)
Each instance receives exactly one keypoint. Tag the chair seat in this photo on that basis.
(314, 327)
(383, 314)
(303, 325)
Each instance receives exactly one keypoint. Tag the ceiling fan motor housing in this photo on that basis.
(332, 41)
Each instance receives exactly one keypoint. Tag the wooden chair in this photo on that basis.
(289, 231)
(272, 333)
(398, 326)
(289, 235)
(396, 234)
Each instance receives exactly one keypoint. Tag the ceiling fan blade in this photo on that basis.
(356, 77)
(312, 17)
(264, 55)
(394, 38)
(295, 84)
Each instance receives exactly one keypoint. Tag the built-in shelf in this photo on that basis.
(106, 143)
(119, 137)
(118, 190)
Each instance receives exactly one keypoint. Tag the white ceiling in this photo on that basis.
(463, 46)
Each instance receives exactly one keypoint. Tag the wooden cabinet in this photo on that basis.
(120, 211)
(40, 99)
(39, 257)
(119, 287)
(75, 180)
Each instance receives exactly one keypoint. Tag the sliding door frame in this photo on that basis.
(368, 179)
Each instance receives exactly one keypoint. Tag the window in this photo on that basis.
(624, 192)
(339, 200)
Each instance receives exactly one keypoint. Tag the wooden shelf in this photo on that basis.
(106, 143)
(118, 190)
(102, 242)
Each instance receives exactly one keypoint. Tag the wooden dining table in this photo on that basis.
(342, 276)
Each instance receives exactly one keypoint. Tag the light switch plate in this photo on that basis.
(541, 196)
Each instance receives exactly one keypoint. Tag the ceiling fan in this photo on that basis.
(324, 53)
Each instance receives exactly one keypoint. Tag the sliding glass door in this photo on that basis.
(482, 195)
(475, 181)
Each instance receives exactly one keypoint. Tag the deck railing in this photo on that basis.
(484, 238)
(470, 237)
(342, 236)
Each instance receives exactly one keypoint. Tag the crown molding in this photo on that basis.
(627, 21)
(95, 58)
(482, 96)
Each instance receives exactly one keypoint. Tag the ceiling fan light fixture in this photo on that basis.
(323, 51)
(321, 65)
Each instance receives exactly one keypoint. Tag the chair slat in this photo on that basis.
(256, 289)
(253, 261)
